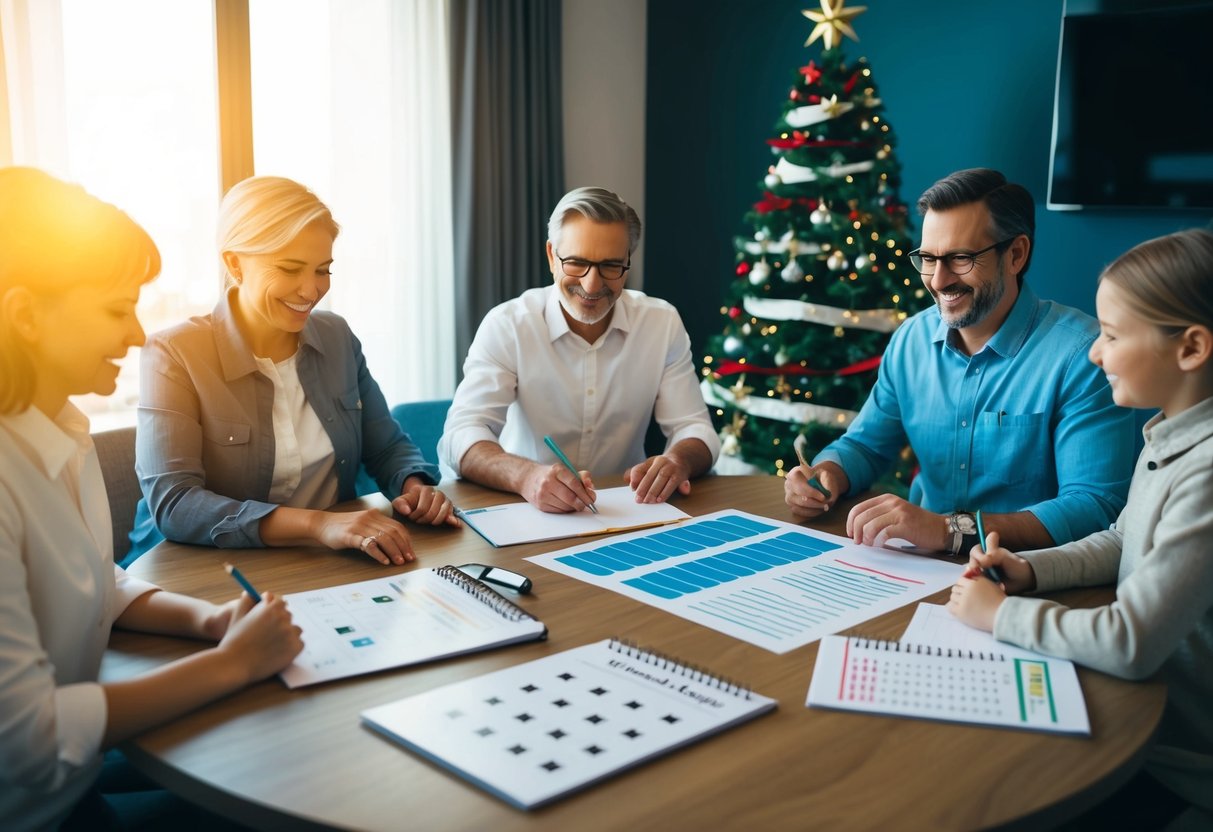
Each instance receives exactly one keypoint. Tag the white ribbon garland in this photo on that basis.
(793, 174)
(817, 113)
(796, 413)
(781, 245)
(874, 320)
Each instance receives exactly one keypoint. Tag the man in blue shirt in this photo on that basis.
(992, 390)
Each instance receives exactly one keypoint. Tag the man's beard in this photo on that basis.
(985, 299)
(580, 315)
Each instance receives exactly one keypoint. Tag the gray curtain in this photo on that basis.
(508, 154)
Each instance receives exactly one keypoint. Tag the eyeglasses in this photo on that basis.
(958, 263)
(578, 267)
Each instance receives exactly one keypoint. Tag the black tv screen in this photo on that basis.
(1133, 115)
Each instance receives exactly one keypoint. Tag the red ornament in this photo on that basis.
(794, 95)
(811, 73)
(854, 215)
(814, 99)
(850, 84)
(743, 268)
(735, 312)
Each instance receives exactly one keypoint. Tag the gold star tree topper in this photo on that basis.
(833, 21)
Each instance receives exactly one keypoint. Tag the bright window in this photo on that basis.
(128, 89)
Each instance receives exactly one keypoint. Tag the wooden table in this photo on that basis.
(273, 758)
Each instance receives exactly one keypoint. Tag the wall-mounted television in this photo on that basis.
(1133, 112)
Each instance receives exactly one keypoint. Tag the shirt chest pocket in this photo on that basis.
(227, 464)
(1012, 448)
(225, 433)
(349, 411)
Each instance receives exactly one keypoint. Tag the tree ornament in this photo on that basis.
(739, 390)
(832, 108)
(734, 312)
(792, 273)
(836, 261)
(743, 268)
(772, 180)
(783, 389)
(730, 435)
(820, 215)
(759, 273)
(732, 345)
(811, 73)
(833, 21)
(781, 358)
(746, 329)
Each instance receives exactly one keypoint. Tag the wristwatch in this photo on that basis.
(963, 526)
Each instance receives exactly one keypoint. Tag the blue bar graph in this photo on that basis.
(773, 584)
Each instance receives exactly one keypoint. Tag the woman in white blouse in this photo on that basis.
(71, 268)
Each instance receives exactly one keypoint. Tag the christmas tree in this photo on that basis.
(823, 278)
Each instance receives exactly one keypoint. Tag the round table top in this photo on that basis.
(271, 757)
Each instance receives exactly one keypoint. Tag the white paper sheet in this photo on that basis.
(506, 525)
(776, 585)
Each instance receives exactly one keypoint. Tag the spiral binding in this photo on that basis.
(693, 672)
(864, 643)
(485, 594)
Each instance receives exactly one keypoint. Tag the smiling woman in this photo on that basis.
(256, 417)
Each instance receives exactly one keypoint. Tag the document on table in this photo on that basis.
(511, 523)
(945, 670)
(933, 624)
(415, 617)
(535, 732)
(773, 584)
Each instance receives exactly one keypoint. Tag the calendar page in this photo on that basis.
(948, 684)
(539, 730)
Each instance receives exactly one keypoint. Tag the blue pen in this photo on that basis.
(551, 443)
(243, 581)
(993, 573)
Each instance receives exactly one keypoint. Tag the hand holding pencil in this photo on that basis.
(560, 487)
(255, 630)
(1011, 572)
(810, 490)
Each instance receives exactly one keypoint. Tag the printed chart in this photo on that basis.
(773, 584)
(391, 622)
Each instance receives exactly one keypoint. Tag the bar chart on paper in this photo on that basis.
(773, 584)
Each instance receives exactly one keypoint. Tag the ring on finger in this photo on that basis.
(366, 543)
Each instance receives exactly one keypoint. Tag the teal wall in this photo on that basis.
(965, 83)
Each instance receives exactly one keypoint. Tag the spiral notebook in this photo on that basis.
(535, 732)
(1012, 690)
(406, 619)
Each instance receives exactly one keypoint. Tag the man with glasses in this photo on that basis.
(992, 390)
(586, 362)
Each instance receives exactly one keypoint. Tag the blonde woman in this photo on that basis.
(71, 269)
(255, 418)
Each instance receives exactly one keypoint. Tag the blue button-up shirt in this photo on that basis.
(1025, 424)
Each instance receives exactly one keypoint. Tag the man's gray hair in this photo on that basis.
(598, 205)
